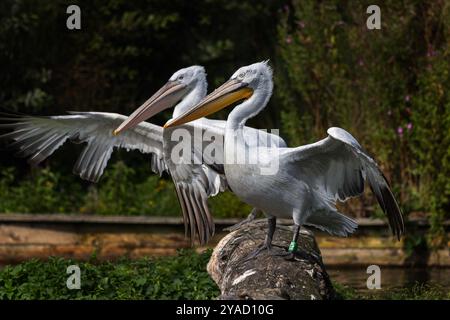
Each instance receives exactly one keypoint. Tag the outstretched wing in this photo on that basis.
(38, 137)
(337, 167)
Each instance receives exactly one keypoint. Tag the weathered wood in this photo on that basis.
(269, 276)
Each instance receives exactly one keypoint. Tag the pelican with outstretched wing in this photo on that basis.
(307, 180)
(38, 137)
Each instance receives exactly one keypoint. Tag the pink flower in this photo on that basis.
(288, 39)
(400, 131)
(407, 98)
(409, 126)
(360, 62)
(389, 112)
(431, 52)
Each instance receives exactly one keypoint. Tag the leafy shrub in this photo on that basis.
(181, 277)
(417, 291)
(227, 205)
(121, 191)
(389, 88)
(40, 192)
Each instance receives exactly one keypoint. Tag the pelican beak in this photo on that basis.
(228, 93)
(166, 97)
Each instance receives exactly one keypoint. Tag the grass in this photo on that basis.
(418, 291)
(181, 277)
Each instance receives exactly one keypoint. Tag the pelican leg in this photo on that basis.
(293, 246)
(267, 245)
(293, 252)
(249, 219)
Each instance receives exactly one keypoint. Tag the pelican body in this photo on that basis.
(310, 178)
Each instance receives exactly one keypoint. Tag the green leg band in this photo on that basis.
(293, 247)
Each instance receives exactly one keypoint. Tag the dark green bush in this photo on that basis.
(121, 191)
(40, 192)
(180, 277)
(417, 291)
(389, 88)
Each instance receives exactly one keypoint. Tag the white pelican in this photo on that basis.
(310, 178)
(38, 137)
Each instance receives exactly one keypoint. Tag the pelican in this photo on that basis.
(38, 137)
(310, 179)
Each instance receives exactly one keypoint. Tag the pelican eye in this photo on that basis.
(180, 77)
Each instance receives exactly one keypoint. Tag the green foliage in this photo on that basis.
(418, 291)
(121, 191)
(344, 292)
(181, 277)
(415, 243)
(431, 139)
(389, 88)
(227, 205)
(38, 193)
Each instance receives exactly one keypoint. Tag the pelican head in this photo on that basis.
(242, 84)
(256, 75)
(180, 85)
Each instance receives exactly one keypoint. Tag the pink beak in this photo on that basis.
(164, 98)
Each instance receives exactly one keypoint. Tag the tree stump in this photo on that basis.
(269, 276)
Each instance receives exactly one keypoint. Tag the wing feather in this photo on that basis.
(336, 168)
(38, 137)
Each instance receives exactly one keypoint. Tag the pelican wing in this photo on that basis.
(336, 167)
(196, 175)
(38, 137)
